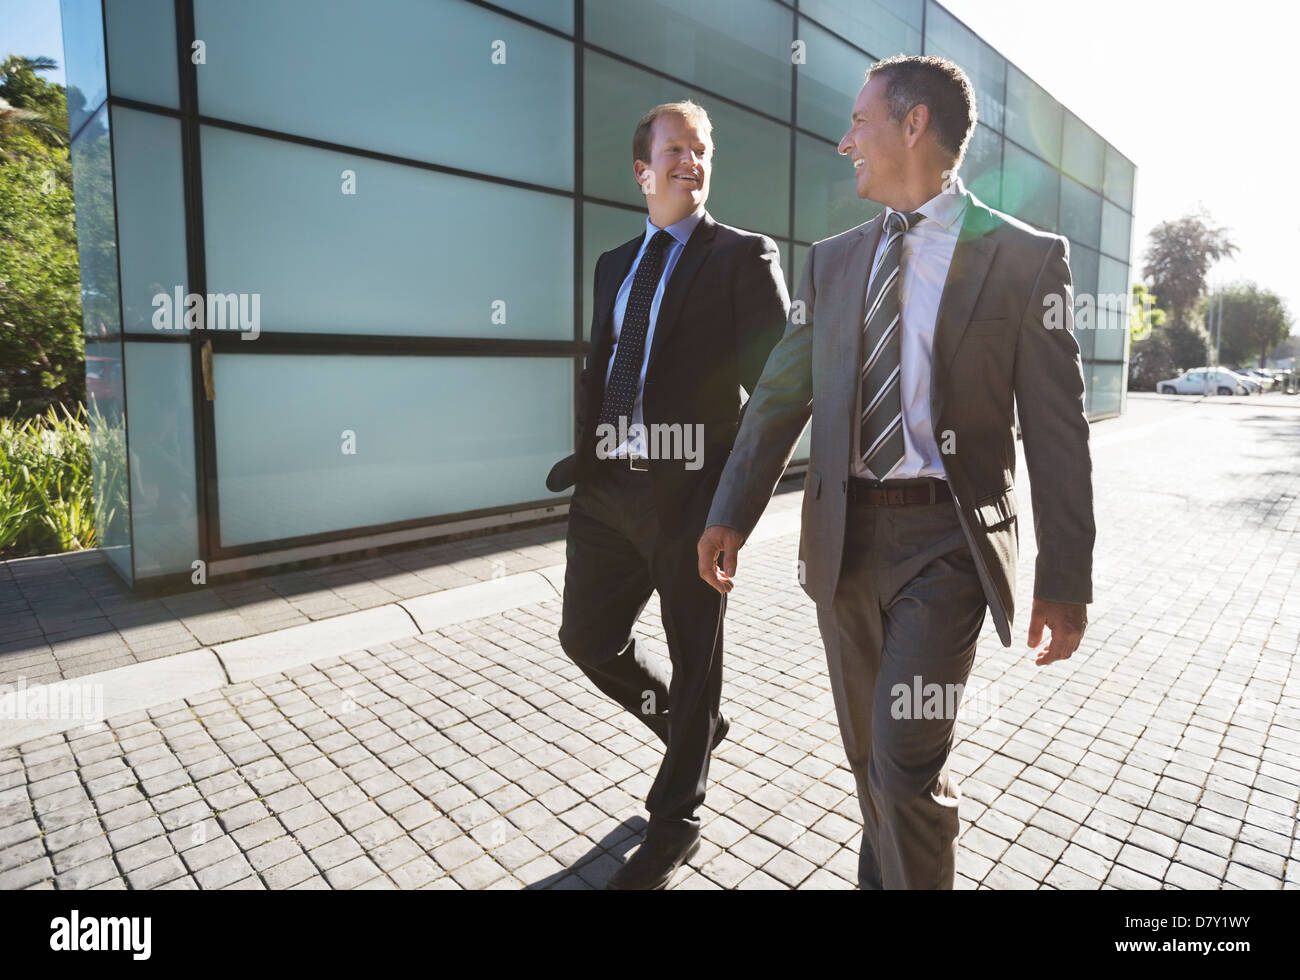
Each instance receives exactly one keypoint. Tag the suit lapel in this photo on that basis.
(971, 259)
(693, 255)
(607, 291)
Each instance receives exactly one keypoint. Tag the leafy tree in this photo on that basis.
(1179, 255)
(1160, 348)
(41, 346)
(1255, 322)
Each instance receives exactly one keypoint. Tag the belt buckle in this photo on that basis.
(644, 466)
(895, 496)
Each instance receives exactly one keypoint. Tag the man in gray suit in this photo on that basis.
(910, 338)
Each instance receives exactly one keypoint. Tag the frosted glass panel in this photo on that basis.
(981, 170)
(151, 214)
(1082, 153)
(1080, 213)
(826, 197)
(1119, 178)
(1107, 386)
(83, 59)
(749, 187)
(738, 48)
(432, 436)
(92, 195)
(829, 82)
(1112, 280)
(1030, 188)
(1116, 231)
(415, 78)
(883, 27)
(161, 413)
(142, 50)
(948, 37)
(108, 453)
(1034, 118)
(412, 252)
(552, 13)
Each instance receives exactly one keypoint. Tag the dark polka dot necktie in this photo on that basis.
(880, 444)
(624, 378)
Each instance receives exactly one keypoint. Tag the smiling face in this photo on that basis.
(876, 145)
(676, 177)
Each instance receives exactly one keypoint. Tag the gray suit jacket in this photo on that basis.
(994, 346)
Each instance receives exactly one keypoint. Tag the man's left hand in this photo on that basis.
(1065, 620)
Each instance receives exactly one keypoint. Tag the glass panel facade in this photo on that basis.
(750, 183)
(1116, 231)
(826, 197)
(882, 27)
(1080, 213)
(142, 49)
(280, 66)
(1083, 153)
(355, 460)
(945, 35)
(163, 502)
(829, 81)
(1033, 118)
(92, 189)
(737, 48)
(1030, 188)
(83, 59)
(981, 170)
(151, 218)
(552, 13)
(1118, 185)
(279, 225)
(402, 225)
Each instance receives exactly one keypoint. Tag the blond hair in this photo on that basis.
(692, 113)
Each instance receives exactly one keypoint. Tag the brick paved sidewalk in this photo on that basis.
(1166, 753)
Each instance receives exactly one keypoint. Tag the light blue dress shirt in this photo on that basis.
(681, 232)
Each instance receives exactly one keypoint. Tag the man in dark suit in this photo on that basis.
(685, 316)
(911, 338)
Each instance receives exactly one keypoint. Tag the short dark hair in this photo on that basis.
(937, 83)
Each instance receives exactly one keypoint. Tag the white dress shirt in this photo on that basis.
(635, 444)
(923, 269)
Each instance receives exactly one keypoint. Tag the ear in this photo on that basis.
(916, 123)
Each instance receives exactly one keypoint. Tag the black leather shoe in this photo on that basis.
(724, 726)
(652, 866)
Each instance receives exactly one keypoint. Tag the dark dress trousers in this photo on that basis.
(632, 533)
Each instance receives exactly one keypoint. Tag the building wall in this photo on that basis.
(415, 193)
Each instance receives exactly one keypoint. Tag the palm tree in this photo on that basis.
(14, 119)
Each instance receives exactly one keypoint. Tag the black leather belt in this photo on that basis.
(898, 493)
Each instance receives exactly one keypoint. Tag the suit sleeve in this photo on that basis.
(774, 419)
(1050, 402)
(591, 347)
(761, 306)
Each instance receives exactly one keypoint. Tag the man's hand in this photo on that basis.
(718, 539)
(1066, 620)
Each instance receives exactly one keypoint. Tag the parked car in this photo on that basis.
(1267, 380)
(1203, 381)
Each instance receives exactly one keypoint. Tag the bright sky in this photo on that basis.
(1153, 77)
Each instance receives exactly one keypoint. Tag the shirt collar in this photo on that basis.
(680, 230)
(946, 206)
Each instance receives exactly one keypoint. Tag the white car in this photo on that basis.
(1205, 381)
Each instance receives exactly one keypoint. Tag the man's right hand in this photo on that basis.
(718, 539)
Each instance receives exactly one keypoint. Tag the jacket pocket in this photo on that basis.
(993, 512)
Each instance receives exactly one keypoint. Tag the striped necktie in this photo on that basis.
(881, 424)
